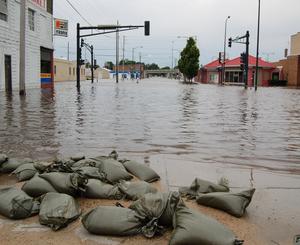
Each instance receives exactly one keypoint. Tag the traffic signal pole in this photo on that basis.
(105, 30)
(92, 63)
(247, 60)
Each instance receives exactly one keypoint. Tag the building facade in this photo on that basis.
(65, 70)
(290, 67)
(212, 72)
(129, 71)
(38, 44)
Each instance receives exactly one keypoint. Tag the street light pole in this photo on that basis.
(257, 48)
(224, 56)
(172, 55)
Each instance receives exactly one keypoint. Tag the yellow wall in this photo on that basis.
(65, 70)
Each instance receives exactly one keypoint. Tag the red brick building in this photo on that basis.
(212, 72)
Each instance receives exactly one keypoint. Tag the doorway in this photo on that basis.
(8, 81)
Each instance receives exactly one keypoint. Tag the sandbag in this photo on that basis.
(194, 228)
(25, 171)
(141, 171)
(84, 163)
(297, 240)
(114, 171)
(160, 206)
(3, 158)
(91, 173)
(37, 187)
(232, 203)
(12, 164)
(16, 204)
(42, 167)
(58, 210)
(100, 190)
(77, 158)
(68, 183)
(203, 186)
(112, 221)
(135, 190)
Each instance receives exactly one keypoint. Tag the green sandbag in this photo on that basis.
(16, 204)
(91, 173)
(77, 158)
(37, 187)
(114, 171)
(84, 163)
(12, 164)
(232, 203)
(3, 158)
(194, 228)
(58, 210)
(160, 206)
(135, 190)
(203, 186)
(25, 171)
(68, 183)
(99, 190)
(141, 171)
(42, 167)
(112, 221)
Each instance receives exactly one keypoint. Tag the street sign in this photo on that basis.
(60, 27)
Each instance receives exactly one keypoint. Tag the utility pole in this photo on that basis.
(224, 55)
(123, 56)
(22, 48)
(247, 59)
(140, 54)
(68, 54)
(257, 48)
(78, 59)
(172, 55)
(117, 53)
(92, 62)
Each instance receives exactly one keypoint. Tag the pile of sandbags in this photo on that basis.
(218, 196)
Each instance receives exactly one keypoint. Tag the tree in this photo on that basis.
(109, 65)
(165, 68)
(152, 66)
(127, 62)
(188, 63)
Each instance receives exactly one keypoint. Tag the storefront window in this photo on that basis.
(3, 10)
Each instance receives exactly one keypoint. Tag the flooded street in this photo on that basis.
(182, 131)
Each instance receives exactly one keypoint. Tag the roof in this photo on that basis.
(236, 62)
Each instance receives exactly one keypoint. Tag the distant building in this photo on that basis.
(39, 43)
(290, 67)
(130, 70)
(65, 70)
(99, 73)
(212, 72)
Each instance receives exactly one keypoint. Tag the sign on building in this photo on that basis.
(40, 3)
(60, 27)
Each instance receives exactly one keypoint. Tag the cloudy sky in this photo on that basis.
(169, 19)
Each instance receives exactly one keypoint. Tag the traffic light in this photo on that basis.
(147, 28)
(81, 62)
(82, 42)
(220, 57)
(243, 61)
(229, 42)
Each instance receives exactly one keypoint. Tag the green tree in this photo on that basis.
(188, 63)
(165, 68)
(109, 65)
(152, 66)
(127, 62)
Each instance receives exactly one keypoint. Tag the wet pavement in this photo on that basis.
(182, 131)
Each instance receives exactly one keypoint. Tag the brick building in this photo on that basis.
(212, 72)
(290, 67)
(38, 43)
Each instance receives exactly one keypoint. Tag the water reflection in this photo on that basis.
(207, 123)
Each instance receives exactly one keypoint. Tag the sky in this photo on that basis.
(173, 20)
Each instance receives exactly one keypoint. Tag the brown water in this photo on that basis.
(218, 124)
(182, 131)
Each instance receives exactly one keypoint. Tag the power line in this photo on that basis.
(78, 12)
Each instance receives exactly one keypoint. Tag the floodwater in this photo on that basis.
(182, 131)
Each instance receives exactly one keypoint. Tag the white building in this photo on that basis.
(38, 43)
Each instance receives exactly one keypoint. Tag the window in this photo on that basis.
(31, 14)
(55, 70)
(3, 10)
(70, 71)
(50, 6)
(73, 71)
